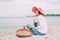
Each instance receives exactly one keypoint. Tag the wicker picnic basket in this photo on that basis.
(24, 32)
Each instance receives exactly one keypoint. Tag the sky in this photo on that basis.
(20, 8)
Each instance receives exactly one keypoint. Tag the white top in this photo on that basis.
(43, 24)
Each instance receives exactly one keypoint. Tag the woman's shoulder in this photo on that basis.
(41, 17)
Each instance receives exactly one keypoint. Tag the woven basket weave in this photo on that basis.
(24, 32)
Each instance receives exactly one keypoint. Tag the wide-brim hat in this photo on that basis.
(39, 9)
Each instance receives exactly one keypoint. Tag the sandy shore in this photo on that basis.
(10, 34)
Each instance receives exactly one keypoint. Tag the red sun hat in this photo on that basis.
(40, 10)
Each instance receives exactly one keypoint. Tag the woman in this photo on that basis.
(39, 22)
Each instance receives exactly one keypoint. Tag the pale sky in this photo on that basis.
(18, 8)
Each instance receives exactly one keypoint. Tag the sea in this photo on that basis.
(14, 22)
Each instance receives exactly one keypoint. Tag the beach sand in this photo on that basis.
(10, 34)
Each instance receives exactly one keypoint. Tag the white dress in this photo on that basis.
(43, 24)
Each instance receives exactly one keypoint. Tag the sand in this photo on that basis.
(10, 34)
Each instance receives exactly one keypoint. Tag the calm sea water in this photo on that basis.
(13, 22)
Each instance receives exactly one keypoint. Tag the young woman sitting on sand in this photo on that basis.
(39, 22)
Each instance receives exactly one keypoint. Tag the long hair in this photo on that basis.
(40, 13)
